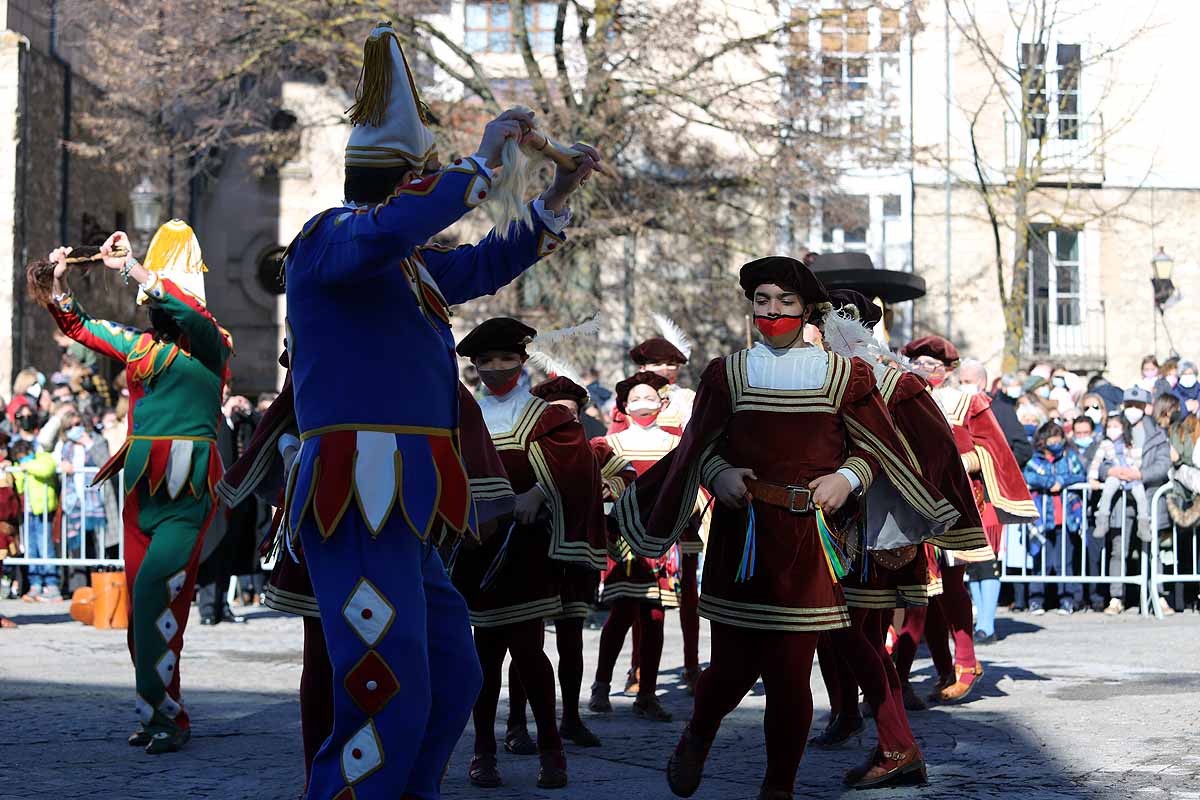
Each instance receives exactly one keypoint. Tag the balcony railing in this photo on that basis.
(1059, 160)
(1081, 344)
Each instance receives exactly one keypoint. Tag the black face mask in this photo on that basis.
(27, 423)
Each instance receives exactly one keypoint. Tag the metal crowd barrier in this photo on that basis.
(86, 549)
(1178, 574)
(1017, 537)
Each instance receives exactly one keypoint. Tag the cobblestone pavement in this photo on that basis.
(1079, 707)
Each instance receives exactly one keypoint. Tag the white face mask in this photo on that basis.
(1014, 392)
(1187, 381)
(968, 388)
(1094, 415)
(642, 405)
(1134, 415)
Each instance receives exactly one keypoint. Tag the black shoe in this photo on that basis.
(841, 728)
(985, 639)
(649, 708)
(685, 768)
(599, 701)
(519, 743)
(483, 772)
(207, 620)
(578, 733)
(229, 616)
(553, 771)
(163, 742)
(139, 738)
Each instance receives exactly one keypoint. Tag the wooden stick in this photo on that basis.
(118, 252)
(563, 156)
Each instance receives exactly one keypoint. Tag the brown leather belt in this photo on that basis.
(794, 499)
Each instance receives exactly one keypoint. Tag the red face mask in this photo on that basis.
(936, 379)
(644, 422)
(778, 326)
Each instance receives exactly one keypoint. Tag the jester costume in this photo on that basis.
(1001, 496)
(261, 471)
(771, 580)
(170, 462)
(379, 476)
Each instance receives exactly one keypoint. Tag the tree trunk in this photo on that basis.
(1015, 303)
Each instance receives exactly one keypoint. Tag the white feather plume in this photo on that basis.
(549, 365)
(551, 338)
(847, 337)
(673, 334)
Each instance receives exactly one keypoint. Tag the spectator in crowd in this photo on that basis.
(1094, 407)
(1116, 468)
(1062, 389)
(1187, 389)
(1031, 408)
(264, 402)
(25, 421)
(1112, 395)
(112, 429)
(36, 482)
(1168, 377)
(1084, 439)
(89, 513)
(1150, 377)
(1183, 505)
(1055, 466)
(10, 522)
(1004, 406)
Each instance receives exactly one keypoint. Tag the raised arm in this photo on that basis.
(206, 340)
(104, 337)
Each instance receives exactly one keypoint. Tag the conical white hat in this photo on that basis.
(390, 123)
(174, 253)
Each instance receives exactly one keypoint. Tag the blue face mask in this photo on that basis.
(1084, 442)
(75, 433)
(1055, 449)
(26, 459)
(1030, 430)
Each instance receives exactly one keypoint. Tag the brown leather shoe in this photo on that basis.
(943, 682)
(518, 742)
(958, 691)
(886, 768)
(553, 771)
(841, 728)
(911, 701)
(633, 682)
(483, 772)
(685, 768)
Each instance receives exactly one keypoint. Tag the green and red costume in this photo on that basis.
(171, 468)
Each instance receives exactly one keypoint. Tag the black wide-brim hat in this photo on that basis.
(503, 334)
(786, 273)
(657, 351)
(651, 379)
(561, 388)
(868, 313)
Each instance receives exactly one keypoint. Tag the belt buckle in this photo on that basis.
(798, 491)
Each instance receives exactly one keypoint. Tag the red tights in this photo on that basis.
(524, 640)
(316, 693)
(857, 656)
(689, 617)
(643, 617)
(948, 613)
(740, 656)
(568, 635)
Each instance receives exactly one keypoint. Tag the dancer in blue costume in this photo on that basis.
(376, 474)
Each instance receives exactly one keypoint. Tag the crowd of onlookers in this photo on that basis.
(1095, 454)
(57, 431)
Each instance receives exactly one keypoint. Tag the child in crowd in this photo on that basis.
(1055, 466)
(1118, 450)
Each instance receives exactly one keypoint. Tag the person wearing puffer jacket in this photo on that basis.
(1055, 466)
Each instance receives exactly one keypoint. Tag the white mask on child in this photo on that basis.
(1134, 415)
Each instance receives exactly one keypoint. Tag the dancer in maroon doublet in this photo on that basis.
(577, 591)
(881, 582)
(513, 581)
(638, 589)
(1001, 496)
(783, 434)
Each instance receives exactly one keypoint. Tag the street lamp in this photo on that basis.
(1164, 288)
(147, 203)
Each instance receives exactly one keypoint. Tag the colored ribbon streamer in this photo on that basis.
(498, 561)
(749, 551)
(834, 558)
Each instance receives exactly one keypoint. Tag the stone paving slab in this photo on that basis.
(1080, 707)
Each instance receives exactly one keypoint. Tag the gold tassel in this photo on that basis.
(175, 241)
(374, 82)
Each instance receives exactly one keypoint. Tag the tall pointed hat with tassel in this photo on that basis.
(390, 122)
(174, 253)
